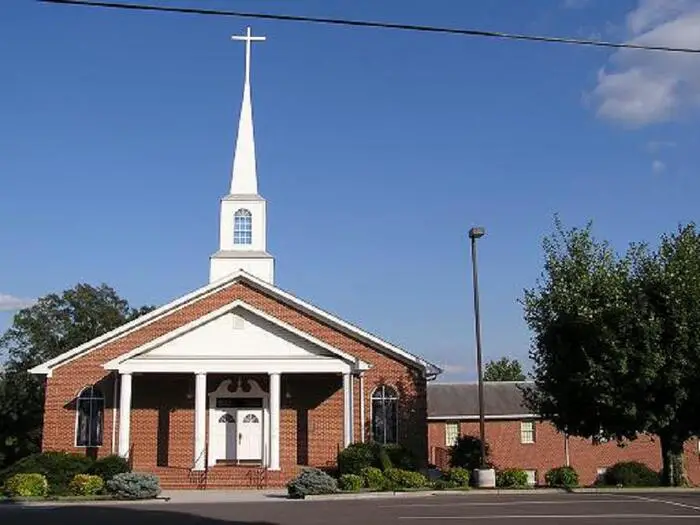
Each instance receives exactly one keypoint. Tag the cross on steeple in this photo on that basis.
(248, 38)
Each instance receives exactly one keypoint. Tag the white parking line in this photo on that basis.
(667, 502)
(555, 517)
(505, 503)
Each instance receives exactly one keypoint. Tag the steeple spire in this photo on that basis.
(243, 223)
(244, 177)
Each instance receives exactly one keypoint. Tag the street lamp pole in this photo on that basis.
(474, 234)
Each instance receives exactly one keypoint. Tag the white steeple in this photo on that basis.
(242, 239)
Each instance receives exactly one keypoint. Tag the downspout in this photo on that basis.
(567, 459)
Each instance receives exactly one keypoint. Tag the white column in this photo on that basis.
(362, 407)
(200, 420)
(124, 415)
(274, 421)
(347, 409)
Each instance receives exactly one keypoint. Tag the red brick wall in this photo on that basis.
(160, 406)
(548, 451)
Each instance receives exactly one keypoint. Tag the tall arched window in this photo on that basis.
(242, 227)
(91, 408)
(385, 412)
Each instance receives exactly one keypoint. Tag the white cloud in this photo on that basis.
(655, 146)
(658, 166)
(637, 88)
(9, 303)
(455, 369)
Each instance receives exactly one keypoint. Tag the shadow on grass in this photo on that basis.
(206, 514)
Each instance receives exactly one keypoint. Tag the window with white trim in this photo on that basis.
(527, 432)
(242, 227)
(385, 415)
(90, 408)
(451, 433)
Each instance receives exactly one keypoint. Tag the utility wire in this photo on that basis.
(382, 25)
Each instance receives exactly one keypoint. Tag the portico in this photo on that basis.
(236, 419)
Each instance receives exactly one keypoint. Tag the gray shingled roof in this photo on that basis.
(462, 399)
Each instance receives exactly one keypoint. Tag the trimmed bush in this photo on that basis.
(382, 458)
(466, 453)
(511, 478)
(109, 466)
(373, 478)
(457, 476)
(444, 484)
(59, 468)
(405, 479)
(631, 474)
(562, 477)
(86, 485)
(400, 457)
(350, 482)
(133, 485)
(311, 481)
(26, 486)
(356, 457)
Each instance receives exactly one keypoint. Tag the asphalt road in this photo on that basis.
(574, 509)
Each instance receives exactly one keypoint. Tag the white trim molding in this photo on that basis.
(472, 417)
(428, 368)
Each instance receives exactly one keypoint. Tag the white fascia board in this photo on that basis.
(472, 417)
(47, 367)
(243, 366)
(119, 361)
(347, 327)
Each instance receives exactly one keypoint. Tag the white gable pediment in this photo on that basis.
(236, 332)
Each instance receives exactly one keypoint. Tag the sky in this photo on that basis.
(377, 151)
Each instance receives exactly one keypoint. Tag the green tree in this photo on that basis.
(55, 324)
(616, 345)
(504, 370)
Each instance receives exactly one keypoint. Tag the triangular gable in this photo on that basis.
(47, 367)
(216, 335)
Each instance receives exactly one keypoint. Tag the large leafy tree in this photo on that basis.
(55, 324)
(504, 369)
(616, 339)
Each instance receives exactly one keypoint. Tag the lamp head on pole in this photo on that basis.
(477, 232)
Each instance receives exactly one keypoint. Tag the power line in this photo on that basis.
(382, 25)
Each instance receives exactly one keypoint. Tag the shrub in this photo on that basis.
(511, 478)
(400, 457)
(311, 481)
(562, 477)
(59, 468)
(383, 460)
(27, 485)
(109, 466)
(405, 479)
(350, 482)
(86, 485)
(356, 457)
(631, 474)
(372, 478)
(457, 476)
(466, 453)
(132, 485)
(444, 484)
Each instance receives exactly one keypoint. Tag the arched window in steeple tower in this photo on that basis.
(242, 227)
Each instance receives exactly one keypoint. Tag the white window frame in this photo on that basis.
(454, 425)
(371, 410)
(77, 416)
(524, 431)
(242, 227)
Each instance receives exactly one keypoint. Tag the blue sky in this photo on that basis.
(377, 150)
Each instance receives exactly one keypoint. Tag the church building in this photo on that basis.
(237, 383)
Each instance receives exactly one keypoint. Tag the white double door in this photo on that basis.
(237, 434)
